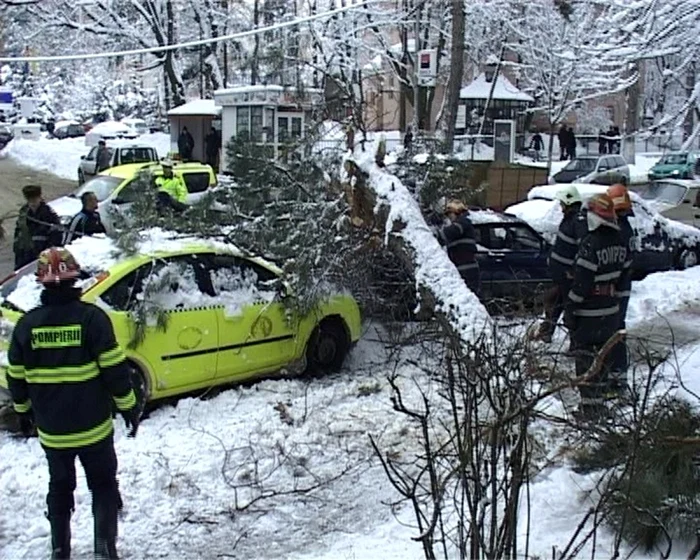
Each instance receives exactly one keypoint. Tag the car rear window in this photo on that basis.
(138, 155)
(102, 185)
(196, 182)
(580, 164)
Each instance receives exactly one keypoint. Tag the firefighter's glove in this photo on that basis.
(131, 419)
(26, 423)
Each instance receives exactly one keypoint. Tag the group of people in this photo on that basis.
(567, 143)
(38, 227)
(609, 142)
(212, 146)
(591, 267)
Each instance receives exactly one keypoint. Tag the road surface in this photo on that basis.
(12, 178)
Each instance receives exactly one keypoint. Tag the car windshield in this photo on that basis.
(580, 164)
(21, 292)
(138, 155)
(668, 193)
(102, 185)
(674, 159)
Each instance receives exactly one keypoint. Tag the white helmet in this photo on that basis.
(568, 195)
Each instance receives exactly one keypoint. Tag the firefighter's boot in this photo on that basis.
(105, 514)
(60, 537)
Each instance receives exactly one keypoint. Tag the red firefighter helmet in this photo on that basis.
(56, 265)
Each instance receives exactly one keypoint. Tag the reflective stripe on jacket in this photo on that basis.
(174, 186)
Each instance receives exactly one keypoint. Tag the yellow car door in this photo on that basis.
(162, 306)
(255, 333)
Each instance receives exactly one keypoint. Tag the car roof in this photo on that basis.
(130, 169)
(485, 216)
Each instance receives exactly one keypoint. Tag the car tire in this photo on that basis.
(327, 347)
(687, 258)
(140, 386)
(81, 177)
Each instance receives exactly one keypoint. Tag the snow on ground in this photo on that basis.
(62, 157)
(178, 477)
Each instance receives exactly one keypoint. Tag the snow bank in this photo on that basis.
(663, 293)
(433, 269)
(62, 157)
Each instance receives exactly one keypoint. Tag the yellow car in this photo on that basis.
(192, 314)
(116, 189)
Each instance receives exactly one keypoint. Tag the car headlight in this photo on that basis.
(675, 172)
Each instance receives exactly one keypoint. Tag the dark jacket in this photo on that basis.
(460, 240)
(213, 143)
(185, 142)
(601, 262)
(84, 223)
(537, 143)
(561, 260)
(35, 231)
(66, 366)
(629, 240)
(104, 159)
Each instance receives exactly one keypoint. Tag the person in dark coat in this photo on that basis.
(571, 143)
(408, 139)
(537, 144)
(620, 357)
(185, 144)
(602, 143)
(213, 146)
(103, 156)
(563, 143)
(561, 259)
(592, 309)
(460, 239)
(38, 227)
(85, 222)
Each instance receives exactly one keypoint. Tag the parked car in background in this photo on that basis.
(119, 187)
(68, 129)
(664, 244)
(109, 130)
(139, 126)
(6, 135)
(512, 257)
(678, 165)
(601, 170)
(119, 155)
(676, 199)
(225, 318)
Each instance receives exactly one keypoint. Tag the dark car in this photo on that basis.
(512, 258)
(65, 129)
(602, 170)
(6, 136)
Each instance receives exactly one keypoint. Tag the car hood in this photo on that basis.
(668, 167)
(569, 176)
(66, 206)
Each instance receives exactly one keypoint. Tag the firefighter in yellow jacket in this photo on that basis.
(66, 370)
(172, 184)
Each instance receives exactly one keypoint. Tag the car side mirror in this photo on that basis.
(82, 157)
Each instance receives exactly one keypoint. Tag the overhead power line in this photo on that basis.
(189, 44)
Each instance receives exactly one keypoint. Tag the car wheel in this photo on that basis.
(140, 386)
(687, 259)
(81, 177)
(327, 347)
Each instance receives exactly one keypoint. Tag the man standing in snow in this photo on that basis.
(620, 360)
(37, 227)
(537, 144)
(213, 145)
(593, 306)
(103, 156)
(563, 143)
(65, 373)
(85, 222)
(185, 144)
(562, 257)
(459, 238)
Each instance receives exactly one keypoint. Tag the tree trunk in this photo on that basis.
(256, 48)
(456, 73)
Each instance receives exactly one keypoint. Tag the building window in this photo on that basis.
(296, 127)
(256, 124)
(282, 130)
(243, 121)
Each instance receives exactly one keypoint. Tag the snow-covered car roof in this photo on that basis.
(543, 212)
(488, 216)
(110, 126)
(62, 124)
(100, 253)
